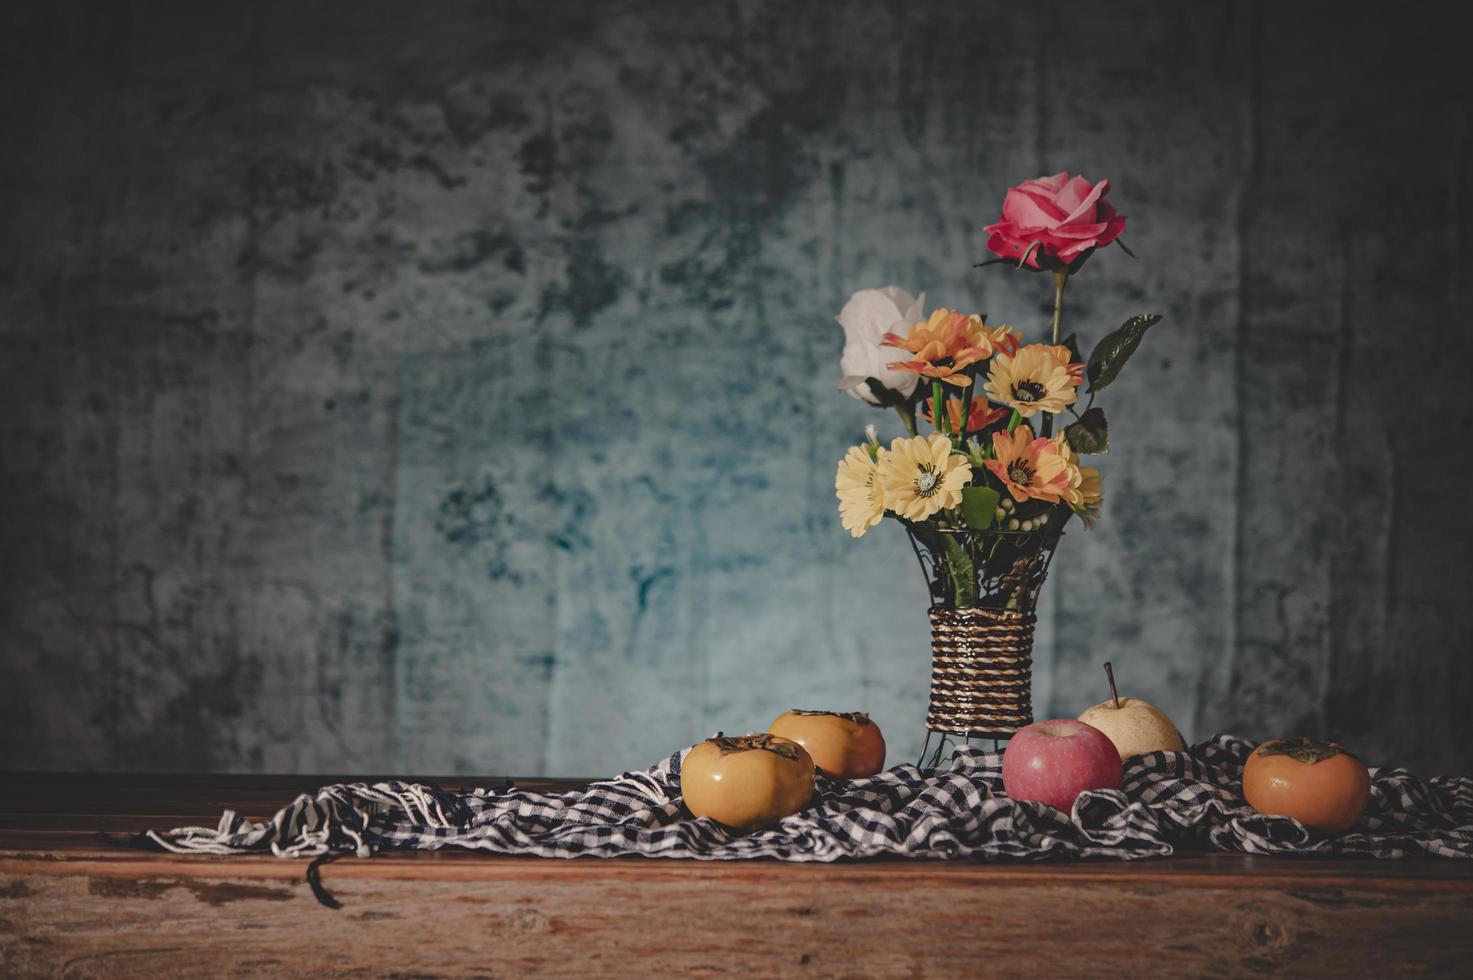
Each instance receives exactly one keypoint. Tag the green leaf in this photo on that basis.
(1111, 353)
(979, 507)
(885, 396)
(1091, 434)
(1072, 342)
(959, 565)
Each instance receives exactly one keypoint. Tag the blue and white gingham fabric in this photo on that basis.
(1170, 800)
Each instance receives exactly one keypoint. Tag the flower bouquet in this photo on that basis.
(991, 469)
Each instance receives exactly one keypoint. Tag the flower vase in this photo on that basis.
(984, 587)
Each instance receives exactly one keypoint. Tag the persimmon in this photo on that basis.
(1318, 783)
(746, 782)
(844, 745)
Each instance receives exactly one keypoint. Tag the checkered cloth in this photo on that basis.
(1179, 799)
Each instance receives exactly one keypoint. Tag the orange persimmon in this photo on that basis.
(748, 781)
(844, 745)
(1318, 783)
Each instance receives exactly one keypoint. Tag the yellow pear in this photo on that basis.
(1135, 726)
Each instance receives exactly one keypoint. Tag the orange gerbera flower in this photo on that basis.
(1029, 467)
(982, 415)
(948, 343)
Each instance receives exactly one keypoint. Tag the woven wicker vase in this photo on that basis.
(984, 587)
(981, 672)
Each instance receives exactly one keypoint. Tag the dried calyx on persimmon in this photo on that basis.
(1318, 783)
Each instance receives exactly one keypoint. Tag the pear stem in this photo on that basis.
(1114, 694)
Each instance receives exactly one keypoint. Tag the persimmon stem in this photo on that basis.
(1114, 694)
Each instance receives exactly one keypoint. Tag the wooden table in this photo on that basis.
(72, 905)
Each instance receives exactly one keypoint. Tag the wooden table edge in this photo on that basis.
(1232, 871)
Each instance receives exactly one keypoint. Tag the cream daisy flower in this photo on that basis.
(1038, 377)
(861, 501)
(921, 475)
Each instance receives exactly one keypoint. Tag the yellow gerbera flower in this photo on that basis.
(1029, 467)
(861, 501)
(948, 343)
(1082, 491)
(1037, 378)
(1091, 494)
(921, 475)
(1089, 488)
(1071, 492)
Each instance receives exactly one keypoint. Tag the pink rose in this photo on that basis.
(1056, 222)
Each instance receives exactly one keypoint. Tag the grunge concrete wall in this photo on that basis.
(450, 386)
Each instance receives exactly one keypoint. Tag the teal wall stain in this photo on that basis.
(453, 389)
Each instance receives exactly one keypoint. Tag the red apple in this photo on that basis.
(1054, 761)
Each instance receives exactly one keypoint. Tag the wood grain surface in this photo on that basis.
(71, 905)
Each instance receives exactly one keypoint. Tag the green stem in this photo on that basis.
(1061, 276)
(908, 417)
(961, 439)
(938, 413)
(1013, 422)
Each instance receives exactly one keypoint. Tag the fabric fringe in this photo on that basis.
(1168, 800)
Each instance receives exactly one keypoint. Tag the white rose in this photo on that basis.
(865, 319)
